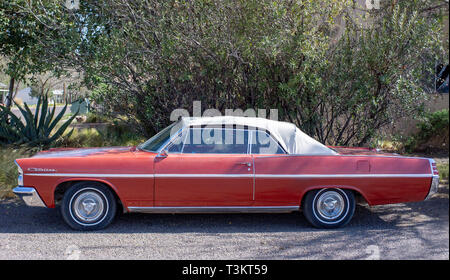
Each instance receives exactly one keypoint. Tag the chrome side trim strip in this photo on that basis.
(92, 175)
(339, 155)
(233, 175)
(215, 209)
(204, 175)
(343, 176)
(29, 196)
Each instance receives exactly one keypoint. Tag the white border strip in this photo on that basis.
(232, 175)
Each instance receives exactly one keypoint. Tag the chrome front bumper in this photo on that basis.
(29, 196)
(434, 187)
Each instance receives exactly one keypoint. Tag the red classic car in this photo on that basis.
(220, 165)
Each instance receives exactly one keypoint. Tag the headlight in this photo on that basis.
(20, 177)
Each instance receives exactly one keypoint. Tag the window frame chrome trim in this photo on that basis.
(164, 146)
(192, 127)
(169, 143)
(271, 137)
(138, 147)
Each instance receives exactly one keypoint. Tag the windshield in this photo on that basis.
(153, 144)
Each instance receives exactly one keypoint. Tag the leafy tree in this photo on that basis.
(152, 57)
(158, 56)
(30, 40)
(145, 58)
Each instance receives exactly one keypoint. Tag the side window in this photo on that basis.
(263, 143)
(216, 141)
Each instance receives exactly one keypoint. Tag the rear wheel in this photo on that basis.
(88, 206)
(329, 208)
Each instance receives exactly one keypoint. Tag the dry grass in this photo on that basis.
(389, 145)
(113, 135)
(443, 171)
(8, 170)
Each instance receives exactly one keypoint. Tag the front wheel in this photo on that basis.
(329, 208)
(88, 206)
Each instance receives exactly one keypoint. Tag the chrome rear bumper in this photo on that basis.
(29, 196)
(434, 187)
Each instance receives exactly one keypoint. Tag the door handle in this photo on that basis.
(246, 163)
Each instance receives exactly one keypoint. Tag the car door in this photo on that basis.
(205, 167)
(270, 161)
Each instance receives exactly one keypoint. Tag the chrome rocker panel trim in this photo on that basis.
(215, 209)
(29, 196)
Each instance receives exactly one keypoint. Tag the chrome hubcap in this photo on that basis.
(330, 205)
(88, 206)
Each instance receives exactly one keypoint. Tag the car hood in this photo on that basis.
(84, 152)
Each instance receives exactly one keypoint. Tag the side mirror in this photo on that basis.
(163, 154)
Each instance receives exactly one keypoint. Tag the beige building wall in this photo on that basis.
(407, 126)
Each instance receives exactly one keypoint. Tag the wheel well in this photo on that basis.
(359, 198)
(63, 187)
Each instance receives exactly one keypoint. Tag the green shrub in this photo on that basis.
(434, 124)
(432, 133)
(93, 117)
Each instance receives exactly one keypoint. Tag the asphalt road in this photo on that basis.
(417, 230)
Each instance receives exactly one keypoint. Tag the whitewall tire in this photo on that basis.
(329, 208)
(88, 206)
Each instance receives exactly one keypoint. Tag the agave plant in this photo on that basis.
(8, 131)
(37, 128)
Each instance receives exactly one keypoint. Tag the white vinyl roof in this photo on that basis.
(293, 140)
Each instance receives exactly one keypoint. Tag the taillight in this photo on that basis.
(434, 168)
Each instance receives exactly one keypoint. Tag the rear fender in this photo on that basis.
(343, 187)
